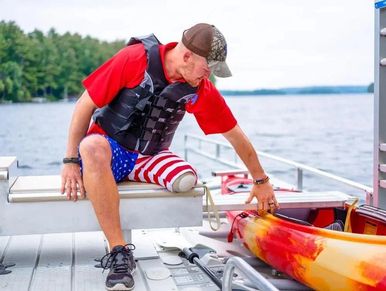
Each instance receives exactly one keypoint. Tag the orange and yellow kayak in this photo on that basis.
(319, 258)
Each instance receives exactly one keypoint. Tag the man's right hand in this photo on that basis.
(72, 181)
(80, 122)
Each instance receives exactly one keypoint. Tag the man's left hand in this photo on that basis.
(265, 196)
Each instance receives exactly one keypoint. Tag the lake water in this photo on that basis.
(330, 132)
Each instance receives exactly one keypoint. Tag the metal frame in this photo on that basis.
(300, 168)
(380, 109)
(257, 280)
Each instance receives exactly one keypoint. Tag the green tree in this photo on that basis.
(13, 84)
(50, 65)
(2, 90)
(13, 46)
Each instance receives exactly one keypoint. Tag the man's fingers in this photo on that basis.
(276, 203)
(68, 189)
(272, 206)
(265, 206)
(260, 208)
(74, 190)
(250, 198)
(63, 186)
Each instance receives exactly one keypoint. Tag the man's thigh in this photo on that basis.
(122, 160)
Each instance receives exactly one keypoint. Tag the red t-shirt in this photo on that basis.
(127, 68)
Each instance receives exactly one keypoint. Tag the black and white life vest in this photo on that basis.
(145, 118)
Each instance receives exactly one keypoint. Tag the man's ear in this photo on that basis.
(187, 55)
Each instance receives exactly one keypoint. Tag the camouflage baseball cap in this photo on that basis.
(207, 41)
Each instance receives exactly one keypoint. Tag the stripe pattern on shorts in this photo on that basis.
(162, 169)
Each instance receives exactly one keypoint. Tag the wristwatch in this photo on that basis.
(72, 160)
(260, 181)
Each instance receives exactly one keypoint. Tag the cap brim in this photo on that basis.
(221, 70)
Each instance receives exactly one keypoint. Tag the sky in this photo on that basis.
(271, 44)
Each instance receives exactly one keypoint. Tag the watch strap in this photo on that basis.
(261, 181)
(71, 160)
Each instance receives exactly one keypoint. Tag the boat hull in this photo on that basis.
(319, 258)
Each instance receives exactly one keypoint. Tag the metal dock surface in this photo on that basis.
(66, 262)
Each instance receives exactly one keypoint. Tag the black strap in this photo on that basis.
(155, 69)
(72, 160)
(147, 40)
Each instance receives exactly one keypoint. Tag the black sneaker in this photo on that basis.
(122, 265)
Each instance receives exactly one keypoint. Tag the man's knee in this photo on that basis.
(95, 149)
(185, 182)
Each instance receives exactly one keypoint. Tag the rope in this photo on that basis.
(347, 224)
(212, 210)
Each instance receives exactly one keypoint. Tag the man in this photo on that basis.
(137, 99)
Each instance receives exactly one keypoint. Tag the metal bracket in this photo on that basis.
(231, 172)
(3, 268)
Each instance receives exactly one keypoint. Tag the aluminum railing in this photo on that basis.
(300, 168)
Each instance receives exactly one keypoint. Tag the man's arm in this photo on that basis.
(243, 147)
(80, 122)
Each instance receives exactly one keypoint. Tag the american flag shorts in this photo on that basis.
(162, 169)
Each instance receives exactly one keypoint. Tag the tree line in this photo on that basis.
(50, 65)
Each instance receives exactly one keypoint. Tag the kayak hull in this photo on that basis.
(319, 258)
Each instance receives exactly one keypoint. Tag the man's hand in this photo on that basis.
(71, 179)
(263, 192)
(265, 196)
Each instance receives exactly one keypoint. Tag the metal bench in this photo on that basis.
(34, 205)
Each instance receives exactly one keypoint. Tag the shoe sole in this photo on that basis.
(118, 287)
(121, 287)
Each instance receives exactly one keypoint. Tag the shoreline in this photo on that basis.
(225, 93)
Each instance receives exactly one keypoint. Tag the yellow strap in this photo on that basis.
(347, 225)
(211, 207)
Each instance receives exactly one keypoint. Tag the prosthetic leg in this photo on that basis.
(185, 182)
